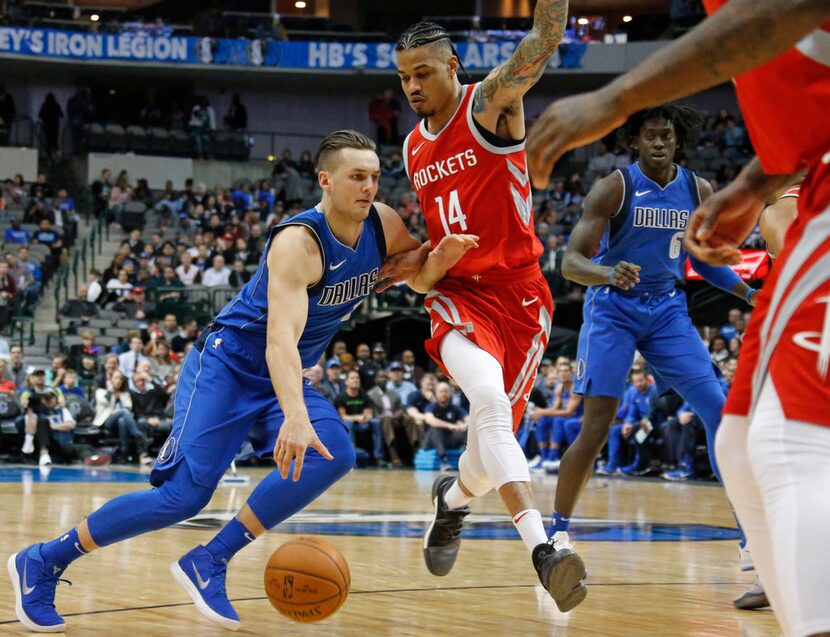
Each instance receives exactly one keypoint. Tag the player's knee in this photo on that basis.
(489, 401)
(336, 439)
(593, 434)
(473, 475)
(183, 497)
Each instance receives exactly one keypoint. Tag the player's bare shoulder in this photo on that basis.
(605, 199)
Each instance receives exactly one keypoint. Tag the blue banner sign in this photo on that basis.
(139, 47)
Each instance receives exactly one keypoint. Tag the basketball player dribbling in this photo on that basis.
(774, 440)
(491, 316)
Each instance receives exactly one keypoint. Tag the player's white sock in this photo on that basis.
(455, 498)
(529, 525)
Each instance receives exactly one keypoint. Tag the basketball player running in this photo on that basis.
(491, 316)
(637, 217)
(774, 438)
(243, 378)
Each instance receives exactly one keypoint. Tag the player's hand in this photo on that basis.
(627, 430)
(569, 123)
(451, 248)
(722, 223)
(296, 435)
(626, 275)
(401, 267)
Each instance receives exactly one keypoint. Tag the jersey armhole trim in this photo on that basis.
(471, 125)
(405, 150)
(380, 235)
(315, 287)
(624, 193)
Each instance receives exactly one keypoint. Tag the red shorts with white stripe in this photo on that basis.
(508, 315)
(789, 334)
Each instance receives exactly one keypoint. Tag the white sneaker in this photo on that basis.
(561, 540)
(551, 466)
(45, 459)
(144, 459)
(746, 560)
(28, 445)
(534, 460)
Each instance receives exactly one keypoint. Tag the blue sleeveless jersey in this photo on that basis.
(649, 229)
(566, 398)
(349, 275)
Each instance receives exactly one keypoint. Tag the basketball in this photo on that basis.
(307, 579)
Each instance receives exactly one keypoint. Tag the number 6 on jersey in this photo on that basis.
(456, 214)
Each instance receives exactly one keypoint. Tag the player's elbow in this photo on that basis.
(569, 267)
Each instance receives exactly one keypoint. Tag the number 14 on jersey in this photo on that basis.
(456, 215)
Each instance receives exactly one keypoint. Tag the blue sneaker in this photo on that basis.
(204, 580)
(34, 584)
(630, 470)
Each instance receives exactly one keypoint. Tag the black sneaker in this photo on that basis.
(443, 537)
(561, 573)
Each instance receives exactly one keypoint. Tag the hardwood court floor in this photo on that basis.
(677, 584)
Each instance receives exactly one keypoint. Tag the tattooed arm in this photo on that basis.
(740, 36)
(499, 96)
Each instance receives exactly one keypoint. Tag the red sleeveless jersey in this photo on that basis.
(786, 102)
(467, 185)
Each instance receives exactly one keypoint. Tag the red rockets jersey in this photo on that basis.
(468, 185)
(786, 102)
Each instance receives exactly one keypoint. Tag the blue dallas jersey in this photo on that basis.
(349, 275)
(648, 231)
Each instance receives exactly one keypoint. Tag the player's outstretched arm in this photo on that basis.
(601, 204)
(724, 220)
(740, 36)
(294, 263)
(775, 221)
(408, 260)
(505, 86)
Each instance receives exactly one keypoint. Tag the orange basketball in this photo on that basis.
(307, 579)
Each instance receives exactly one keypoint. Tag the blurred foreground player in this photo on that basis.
(774, 441)
(243, 378)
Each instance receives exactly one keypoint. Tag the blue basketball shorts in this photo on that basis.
(616, 324)
(223, 397)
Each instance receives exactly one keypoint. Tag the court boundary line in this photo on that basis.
(387, 591)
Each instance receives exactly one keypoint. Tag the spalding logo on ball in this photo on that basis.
(307, 579)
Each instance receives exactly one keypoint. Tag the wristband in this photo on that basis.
(748, 294)
(611, 276)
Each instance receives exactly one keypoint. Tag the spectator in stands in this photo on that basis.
(46, 235)
(418, 401)
(734, 136)
(93, 286)
(129, 360)
(237, 116)
(169, 327)
(239, 275)
(365, 365)
(603, 162)
(54, 375)
(113, 412)
(187, 334)
(331, 386)
(80, 307)
(397, 383)
(188, 273)
(8, 113)
(66, 216)
(8, 294)
(150, 407)
(143, 194)
(30, 265)
(88, 345)
(411, 371)
(119, 290)
(719, 349)
(101, 188)
(120, 194)
(162, 360)
(683, 432)
(379, 355)
(355, 408)
(26, 284)
(79, 110)
(638, 399)
(541, 383)
(306, 166)
(69, 385)
(446, 424)
(15, 233)
(398, 428)
(104, 379)
(50, 115)
(133, 241)
(7, 384)
(17, 371)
